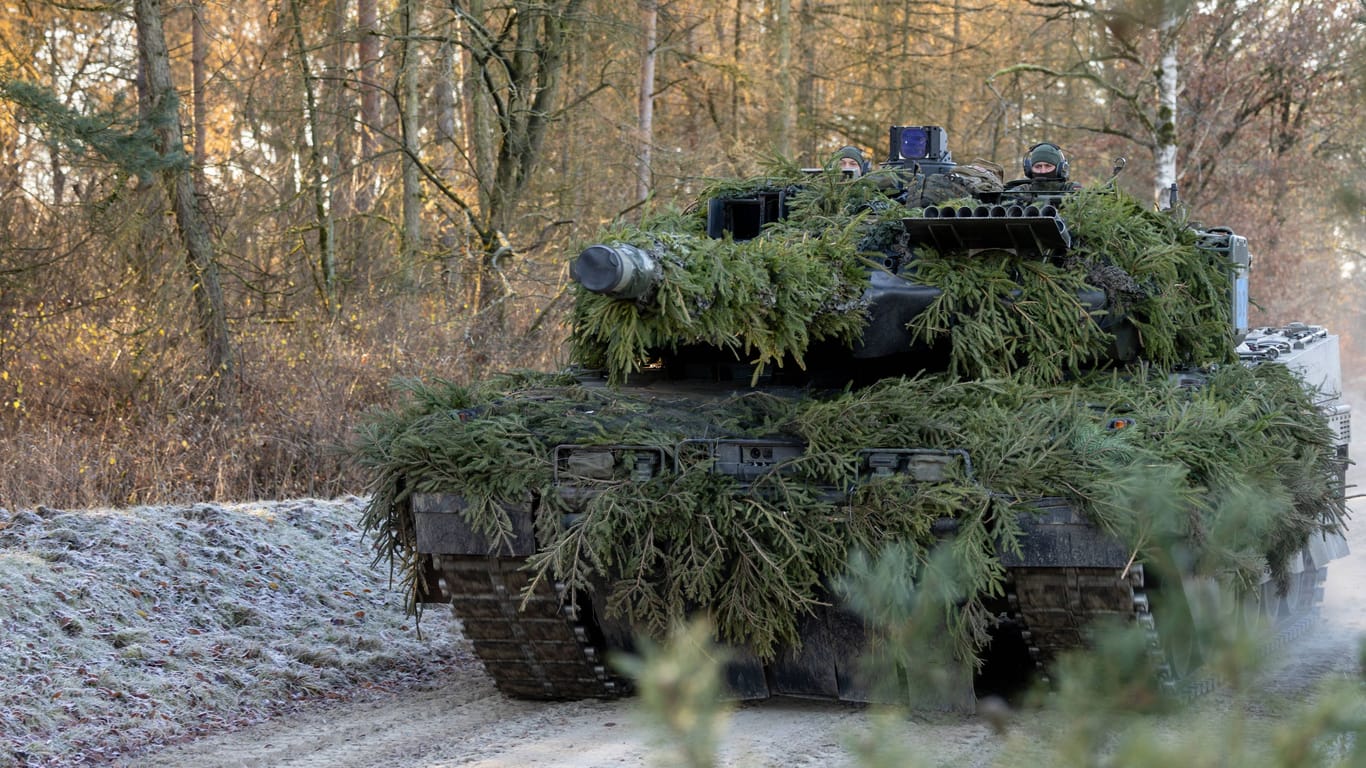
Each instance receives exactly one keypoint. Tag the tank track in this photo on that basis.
(533, 646)
(1055, 605)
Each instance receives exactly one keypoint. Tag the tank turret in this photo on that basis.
(947, 249)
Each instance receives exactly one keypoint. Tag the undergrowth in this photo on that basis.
(103, 406)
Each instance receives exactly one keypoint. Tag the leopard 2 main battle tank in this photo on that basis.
(807, 365)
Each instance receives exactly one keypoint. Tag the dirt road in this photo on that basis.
(466, 722)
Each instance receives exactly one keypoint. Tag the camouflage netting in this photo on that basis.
(768, 298)
(803, 280)
(1248, 453)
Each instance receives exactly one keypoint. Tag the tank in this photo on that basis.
(1057, 385)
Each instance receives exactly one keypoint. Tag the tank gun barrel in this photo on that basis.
(618, 270)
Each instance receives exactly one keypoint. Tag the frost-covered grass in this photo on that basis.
(124, 628)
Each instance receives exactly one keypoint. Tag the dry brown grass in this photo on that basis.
(103, 408)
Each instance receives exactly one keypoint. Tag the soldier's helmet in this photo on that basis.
(1046, 152)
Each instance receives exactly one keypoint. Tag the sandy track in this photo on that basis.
(466, 722)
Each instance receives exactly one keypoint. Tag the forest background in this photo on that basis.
(226, 228)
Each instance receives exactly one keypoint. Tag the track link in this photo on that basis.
(533, 646)
(1056, 605)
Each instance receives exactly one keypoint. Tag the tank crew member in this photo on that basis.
(1046, 161)
(1046, 170)
(850, 159)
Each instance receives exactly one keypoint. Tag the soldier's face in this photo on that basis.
(849, 164)
(1042, 168)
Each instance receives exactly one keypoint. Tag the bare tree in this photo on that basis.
(808, 38)
(787, 84)
(517, 60)
(342, 156)
(317, 166)
(480, 114)
(162, 115)
(1131, 65)
(198, 50)
(370, 100)
(411, 233)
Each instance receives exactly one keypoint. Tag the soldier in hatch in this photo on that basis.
(850, 160)
(1046, 170)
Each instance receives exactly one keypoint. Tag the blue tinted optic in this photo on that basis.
(914, 142)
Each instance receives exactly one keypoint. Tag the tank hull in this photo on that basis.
(539, 641)
(1063, 573)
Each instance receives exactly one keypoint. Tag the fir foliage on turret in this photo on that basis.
(766, 299)
(769, 298)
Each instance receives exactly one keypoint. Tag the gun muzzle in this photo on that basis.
(619, 270)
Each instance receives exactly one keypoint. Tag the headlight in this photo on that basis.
(595, 465)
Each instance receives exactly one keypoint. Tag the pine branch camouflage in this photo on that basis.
(757, 556)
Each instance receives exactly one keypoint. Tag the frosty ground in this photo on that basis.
(124, 629)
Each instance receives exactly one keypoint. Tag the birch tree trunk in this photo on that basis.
(1164, 138)
(649, 19)
(178, 180)
(447, 76)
